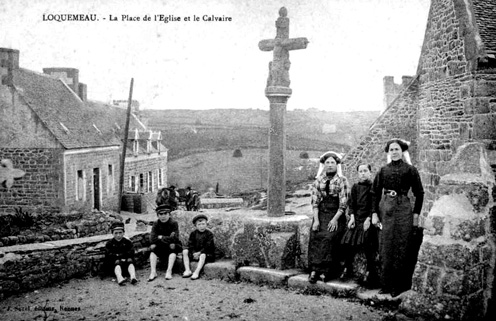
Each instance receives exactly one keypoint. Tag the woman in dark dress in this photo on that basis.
(329, 200)
(390, 200)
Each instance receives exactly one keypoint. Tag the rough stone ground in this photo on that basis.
(179, 299)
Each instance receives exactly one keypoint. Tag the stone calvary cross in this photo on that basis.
(278, 92)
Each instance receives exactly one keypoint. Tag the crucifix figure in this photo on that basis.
(278, 92)
(281, 45)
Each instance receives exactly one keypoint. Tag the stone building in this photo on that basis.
(392, 89)
(448, 112)
(69, 147)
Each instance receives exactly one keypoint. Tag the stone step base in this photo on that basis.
(293, 279)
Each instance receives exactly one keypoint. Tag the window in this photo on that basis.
(150, 181)
(159, 177)
(80, 185)
(135, 147)
(110, 179)
(141, 183)
(132, 183)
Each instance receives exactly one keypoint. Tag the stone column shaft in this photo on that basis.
(276, 190)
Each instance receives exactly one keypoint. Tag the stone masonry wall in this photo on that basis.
(443, 123)
(456, 103)
(455, 270)
(40, 189)
(27, 267)
(399, 120)
(86, 161)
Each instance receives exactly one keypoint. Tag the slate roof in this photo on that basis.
(74, 123)
(485, 15)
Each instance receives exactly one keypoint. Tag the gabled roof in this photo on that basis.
(74, 123)
(485, 16)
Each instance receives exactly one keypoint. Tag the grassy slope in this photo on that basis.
(237, 174)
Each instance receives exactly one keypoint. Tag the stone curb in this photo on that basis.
(293, 279)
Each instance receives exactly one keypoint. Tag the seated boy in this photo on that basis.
(201, 247)
(120, 254)
(165, 243)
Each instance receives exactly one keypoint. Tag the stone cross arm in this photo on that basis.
(288, 44)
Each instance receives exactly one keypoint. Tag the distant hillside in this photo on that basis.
(191, 131)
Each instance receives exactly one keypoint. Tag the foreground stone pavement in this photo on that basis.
(223, 292)
(178, 299)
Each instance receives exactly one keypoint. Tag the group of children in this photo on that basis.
(360, 235)
(165, 244)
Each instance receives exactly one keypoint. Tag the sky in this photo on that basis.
(201, 64)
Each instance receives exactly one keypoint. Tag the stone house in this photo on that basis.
(448, 112)
(69, 147)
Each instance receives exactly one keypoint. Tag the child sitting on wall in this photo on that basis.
(120, 254)
(201, 247)
(165, 243)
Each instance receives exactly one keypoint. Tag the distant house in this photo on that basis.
(69, 147)
(329, 129)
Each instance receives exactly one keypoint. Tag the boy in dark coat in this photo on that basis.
(165, 243)
(120, 254)
(201, 247)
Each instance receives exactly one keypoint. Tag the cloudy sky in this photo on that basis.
(203, 64)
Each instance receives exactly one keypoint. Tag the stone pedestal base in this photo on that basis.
(273, 242)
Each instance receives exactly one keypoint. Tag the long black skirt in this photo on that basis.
(395, 242)
(324, 255)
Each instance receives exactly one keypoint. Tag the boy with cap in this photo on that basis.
(120, 254)
(201, 247)
(165, 243)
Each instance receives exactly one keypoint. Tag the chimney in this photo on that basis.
(390, 90)
(70, 76)
(83, 91)
(9, 62)
(406, 80)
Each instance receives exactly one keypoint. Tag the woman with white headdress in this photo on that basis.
(392, 207)
(329, 201)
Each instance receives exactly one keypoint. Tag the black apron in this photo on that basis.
(324, 246)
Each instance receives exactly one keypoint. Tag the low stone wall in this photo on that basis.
(252, 238)
(54, 227)
(27, 267)
(248, 237)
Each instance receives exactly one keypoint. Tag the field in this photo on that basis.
(237, 174)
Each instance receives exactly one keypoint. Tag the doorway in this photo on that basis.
(96, 189)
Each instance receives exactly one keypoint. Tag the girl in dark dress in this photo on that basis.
(329, 199)
(361, 235)
(390, 200)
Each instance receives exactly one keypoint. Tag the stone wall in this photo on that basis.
(249, 237)
(454, 100)
(45, 227)
(86, 161)
(27, 267)
(40, 188)
(443, 123)
(455, 270)
(398, 120)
